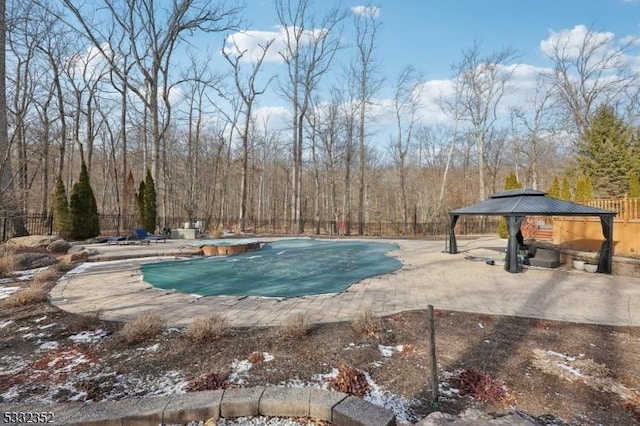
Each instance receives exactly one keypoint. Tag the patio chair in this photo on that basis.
(143, 236)
(116, 239)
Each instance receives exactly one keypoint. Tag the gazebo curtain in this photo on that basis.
(605, 261)
(511, 263)
(453, 245)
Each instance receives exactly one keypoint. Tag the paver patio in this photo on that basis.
(428, 276)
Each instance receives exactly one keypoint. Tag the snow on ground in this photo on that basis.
(8, 291)
(400, 406)
(47, 346)
(88, 337)
(387, 351)
(4, 324)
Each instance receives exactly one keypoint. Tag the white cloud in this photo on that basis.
(367, 11)
(253, 42)
(91, 62)
(571, 41)
(277, 117)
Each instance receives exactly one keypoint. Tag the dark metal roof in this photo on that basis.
(528, 202)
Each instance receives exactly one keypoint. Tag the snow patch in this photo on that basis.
(239, 371)
(47, 346)
(388, 351)
(400, 406)
(4, 324)
(267, 357)
(89, 337)
(8, 291)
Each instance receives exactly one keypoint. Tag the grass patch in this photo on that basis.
(207, 329)
(32, 295)
(7, 264)
(368, 324)
(90, 321)
(141, 329)
(49, 274)
(297, 327)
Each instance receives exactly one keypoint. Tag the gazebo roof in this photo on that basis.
(528, 202)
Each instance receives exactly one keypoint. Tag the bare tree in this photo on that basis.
(364, 73)
(406, 102)
(8, 205)
(534, 129)
(308, 53)
(154, 32)
(482, 82)
(248, 92)
(589, 68)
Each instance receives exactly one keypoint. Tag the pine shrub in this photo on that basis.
(85, 222)
(61, 214)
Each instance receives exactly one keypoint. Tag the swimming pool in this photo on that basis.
(283, 268)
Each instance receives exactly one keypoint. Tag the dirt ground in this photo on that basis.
(555, 373)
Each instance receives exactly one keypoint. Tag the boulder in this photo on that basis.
(34, 241)
(76, 249)
(59, 246)
(77, 257)
(26, 261)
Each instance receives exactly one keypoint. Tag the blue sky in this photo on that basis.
(431, 35)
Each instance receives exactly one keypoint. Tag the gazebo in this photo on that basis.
(515, 204)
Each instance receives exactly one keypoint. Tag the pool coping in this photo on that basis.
(274, 401)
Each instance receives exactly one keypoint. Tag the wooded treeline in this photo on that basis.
(118, 85)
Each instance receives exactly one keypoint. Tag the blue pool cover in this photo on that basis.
(284, 268)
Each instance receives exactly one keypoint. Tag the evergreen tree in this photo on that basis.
(554, 189)
(61, 214)
(634, 186)
(85, 222)
(511, 182)
(150, 205)
(606, 153)
(565, 190)
(139, 198)
(584, 191)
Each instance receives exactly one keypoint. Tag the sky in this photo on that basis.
(432, 34)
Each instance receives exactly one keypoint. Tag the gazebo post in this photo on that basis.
(453, 245)
(605, 261)
(513, 224)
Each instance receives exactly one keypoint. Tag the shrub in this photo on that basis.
(350, 380)
(481, 386)
(85, 222)
(297, 327)
(207, 329)
(62, 221)
(146, 205)
(34, 294)
(7, 264)
(49, 274)
(368, 324)
(209, 381)
(89, 321)
(141, 329)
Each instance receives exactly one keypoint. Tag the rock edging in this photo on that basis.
(336, 407)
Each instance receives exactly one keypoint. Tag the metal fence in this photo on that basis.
(40, 224)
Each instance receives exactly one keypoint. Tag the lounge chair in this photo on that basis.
(143, 236)
(116, 239)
